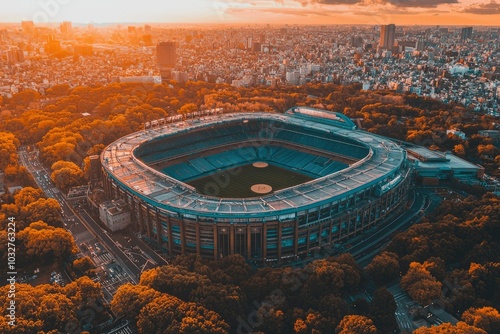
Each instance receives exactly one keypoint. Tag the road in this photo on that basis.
(405, 322)
(83, 228)
(367, 246)
(86, 230)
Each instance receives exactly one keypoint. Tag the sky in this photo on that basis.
(374, 12)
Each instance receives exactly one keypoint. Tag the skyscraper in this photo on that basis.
(15, 55)
(387, 36)
(166, 58)
(66, 28)
(28, 26)
(466, 34)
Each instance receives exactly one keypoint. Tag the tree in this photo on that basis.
(83, 291)
(24, 98)
(188, 108)
(384, 268)
(358, 324)
(382, 309)
(459, 150)
(47, 308)
(168, 314)
(66, 174)
(446, 328)
(27, 195)
(41, 241)
(197, 319)
(83, 264)
(46, 209)
(300, 327)
(420, 284)
(129, 300)
(225, 299)
(8, 149)
(235, 267)
(174, 280)
(486, 318)
(58, 90)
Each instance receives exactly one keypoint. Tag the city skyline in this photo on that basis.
(429, 12)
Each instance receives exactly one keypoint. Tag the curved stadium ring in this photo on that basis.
(187, 183)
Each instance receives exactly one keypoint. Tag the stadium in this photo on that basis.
(272, 187)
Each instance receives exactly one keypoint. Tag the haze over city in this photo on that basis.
(409, 12)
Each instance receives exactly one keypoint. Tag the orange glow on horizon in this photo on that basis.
(444, 12)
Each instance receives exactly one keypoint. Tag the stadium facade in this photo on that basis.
(359, 180)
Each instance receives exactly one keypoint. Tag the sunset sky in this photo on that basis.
(402, 12)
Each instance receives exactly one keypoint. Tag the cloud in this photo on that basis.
(420, 3)
(281, 11)
(329, 2)
(483, 8)
(396, 3)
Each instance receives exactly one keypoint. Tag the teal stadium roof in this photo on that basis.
(381, 166)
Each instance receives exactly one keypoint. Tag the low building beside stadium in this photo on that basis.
(356, 180)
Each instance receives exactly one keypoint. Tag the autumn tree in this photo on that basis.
(420, 284)
(48, 308)
(46, 209)
(445, 328)
(41, 241)
(83, 264)
(129, 300)
(66, 174)
(173, 280)
(24, 98)
(384, 268)
(188, 108)
(486, 318)
(459, 150)
(356, 324)
(27, 195)
(8, 149)
(168, 314)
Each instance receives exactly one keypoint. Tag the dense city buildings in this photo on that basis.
(429, 61)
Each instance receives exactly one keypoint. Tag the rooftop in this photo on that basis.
(381, 164)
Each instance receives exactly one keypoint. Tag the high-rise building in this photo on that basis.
(466, 34)
(421, 44)
(28, 27)
(52, 45)
(166, 58)
(387, 36)
(356, 41)
(15, 55)
(66, 28)
(95, 171)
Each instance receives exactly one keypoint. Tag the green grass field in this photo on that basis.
(236, 182)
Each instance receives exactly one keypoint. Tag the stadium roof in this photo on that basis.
(171, 195)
